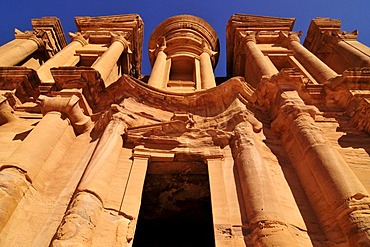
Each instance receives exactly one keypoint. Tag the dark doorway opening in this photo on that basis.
(175, 207)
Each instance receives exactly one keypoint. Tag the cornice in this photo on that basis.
(54, 24)
(317, 28)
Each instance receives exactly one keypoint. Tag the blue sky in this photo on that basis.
(18, 14)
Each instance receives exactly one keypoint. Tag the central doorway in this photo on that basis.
(175, 207)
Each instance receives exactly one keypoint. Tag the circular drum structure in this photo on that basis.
(185, 36)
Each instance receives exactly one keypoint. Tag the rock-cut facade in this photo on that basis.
(94, 153)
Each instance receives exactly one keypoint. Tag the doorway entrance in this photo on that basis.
(175, 207)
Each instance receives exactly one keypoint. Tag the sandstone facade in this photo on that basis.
(93, 153)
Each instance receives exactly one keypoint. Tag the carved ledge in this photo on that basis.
(85, 78)
(24, 81)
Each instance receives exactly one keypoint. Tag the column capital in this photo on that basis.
(161, 46)
(286, 38)
(69, 106)
(292, 108)
(119, 37)
(79, 37)
(29, 35)
(207, 49)
(248, 36)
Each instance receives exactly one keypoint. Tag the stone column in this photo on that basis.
(24, 166)
(65, 57)
(17, 53)
(348, 200)
(256, 62)
(158, 76)
(264, 213)
(81, 218)
(108, 60)
(220, 212)
(352, 55)
(206, 70)
(317, 68)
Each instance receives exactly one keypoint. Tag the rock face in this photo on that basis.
(92, 153)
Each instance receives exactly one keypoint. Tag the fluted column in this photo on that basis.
(256, 62)
(348, 200)
(317, 68)
(260, 199)
(81, 218)
(66, 57)
(17, 53)
(108, 60)
(206, 70)
(158, 76)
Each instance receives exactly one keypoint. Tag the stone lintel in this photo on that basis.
(23, 80)
(130, 24)
(53, 27)
(152, 155)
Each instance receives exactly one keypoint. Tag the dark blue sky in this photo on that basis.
(353, 13)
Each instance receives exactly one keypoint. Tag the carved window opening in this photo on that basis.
(175, 207)
(182, 72)
(282, 62)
